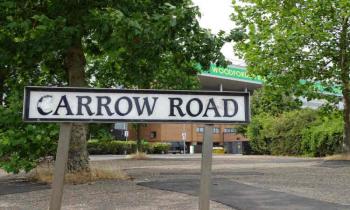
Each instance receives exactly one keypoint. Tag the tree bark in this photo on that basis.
(78, 157)
(344, 66)
(138, 138)
(346, 143)
(2, 87)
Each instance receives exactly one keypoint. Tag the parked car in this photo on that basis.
(177, 148)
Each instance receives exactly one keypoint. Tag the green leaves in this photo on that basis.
(325, 138)
(22, 144)
(299, 46)
(298, 132)
(287, 41)
(134, 44)
(273, 101)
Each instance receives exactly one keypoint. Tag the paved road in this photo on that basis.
(255, 182)
(171, 182)
(242, 196)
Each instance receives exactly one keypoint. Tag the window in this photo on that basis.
(153, 134)
(216, 130)
(200, 130)
(230, 130)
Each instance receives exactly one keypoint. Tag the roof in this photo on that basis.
(231, 78)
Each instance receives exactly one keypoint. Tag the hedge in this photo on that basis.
(323, 139)
(298, 132)
(96, 147)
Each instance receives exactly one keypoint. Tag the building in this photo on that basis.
(232, 78)
(192, 135)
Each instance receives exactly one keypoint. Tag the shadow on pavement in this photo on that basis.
(11, 186)
(335, 163)
(242, 196)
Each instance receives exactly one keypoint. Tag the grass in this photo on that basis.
(138, 156)
(101, 170)
(342, 156)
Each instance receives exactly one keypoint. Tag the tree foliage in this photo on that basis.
(136, 44)
(300, 46)
(272, 101)
(325, 138)
(22, 145)
(298, 132)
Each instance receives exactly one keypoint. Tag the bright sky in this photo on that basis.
(216, 17)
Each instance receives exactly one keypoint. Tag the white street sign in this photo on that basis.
(183, 134)
(106, 105)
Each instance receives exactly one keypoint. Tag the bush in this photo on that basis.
(287, 130)
(160, 148)
(323, 139)
(298, 132)
(282, 134)
(256, 133)
(23, 144)
(96, 147)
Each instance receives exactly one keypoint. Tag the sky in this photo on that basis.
(216, 17)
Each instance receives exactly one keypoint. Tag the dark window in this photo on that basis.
(216, 130)
(230, 130)
(200, 130)
(153, 134)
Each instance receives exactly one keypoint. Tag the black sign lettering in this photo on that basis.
(63, 104)
(145, 104)
(38, 105)
(212, 106)
(226, 114)
(177, 106)
(104, 105)
(117, 110)
(86, 105)
(188, 107)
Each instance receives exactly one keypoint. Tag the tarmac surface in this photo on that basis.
(172, 182)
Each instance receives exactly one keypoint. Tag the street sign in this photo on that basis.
(126, 134)
(66, 105)
(183, 134)
(106, 105)
(121, 126)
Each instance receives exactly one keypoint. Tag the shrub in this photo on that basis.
(160, 148)
(282, 134)
(121, 147)
(323, 139)
(299, 132)
(287, 130)
(259, 142)
(23, 144)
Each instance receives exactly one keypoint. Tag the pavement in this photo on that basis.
(242, 196)
(172, 182)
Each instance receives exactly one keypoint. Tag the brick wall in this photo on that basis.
(168, 132)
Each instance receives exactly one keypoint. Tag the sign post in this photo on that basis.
(183, 134)
(67, 105)
(206, 163)
(60, 166)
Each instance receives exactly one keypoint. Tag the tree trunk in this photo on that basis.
(138, 138)
(2, 86)
(344, 66)
(78, 158)
(138, 125)
(346, 143)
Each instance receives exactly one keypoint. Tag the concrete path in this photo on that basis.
(245, 197)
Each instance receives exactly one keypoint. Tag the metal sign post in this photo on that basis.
(60, 166)
(183, 134)
(206, 163)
